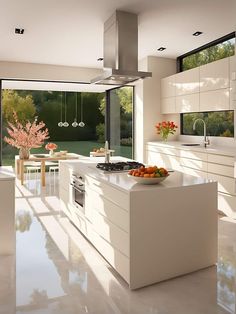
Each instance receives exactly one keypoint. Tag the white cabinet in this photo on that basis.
(168, 86)
(204, 164)
(168, 105)
(7, 211)
(187, 103)
(232, 67)
(187, 82)
(210, 87)
(214, 100)
(214, 75)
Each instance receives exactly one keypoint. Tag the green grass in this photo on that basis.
(80, 147)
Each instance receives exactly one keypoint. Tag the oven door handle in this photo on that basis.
(77, 189)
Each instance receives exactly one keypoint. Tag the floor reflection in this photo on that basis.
(58, 271)
(226, 286)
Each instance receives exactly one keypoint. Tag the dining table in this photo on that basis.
(42, 159)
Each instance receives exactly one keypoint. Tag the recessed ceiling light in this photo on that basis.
(161, 49)
(100, 59)
(19, 31)
(197, 33)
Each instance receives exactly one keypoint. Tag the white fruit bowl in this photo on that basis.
(142, 180)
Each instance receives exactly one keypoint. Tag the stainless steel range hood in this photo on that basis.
(120, 50)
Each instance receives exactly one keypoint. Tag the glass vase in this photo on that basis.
(51, 152)
(164, 137)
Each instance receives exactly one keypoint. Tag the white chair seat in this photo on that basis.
(54, 168)
(32, 169)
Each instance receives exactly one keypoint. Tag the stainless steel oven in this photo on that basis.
(78, 191)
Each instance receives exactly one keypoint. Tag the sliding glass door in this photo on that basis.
(120, 116)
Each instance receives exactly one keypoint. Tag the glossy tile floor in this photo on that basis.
(58, 271)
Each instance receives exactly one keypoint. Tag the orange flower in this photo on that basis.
(51, 146)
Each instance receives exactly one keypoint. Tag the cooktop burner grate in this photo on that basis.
(119, 166)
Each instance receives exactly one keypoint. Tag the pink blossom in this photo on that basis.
(29, 136)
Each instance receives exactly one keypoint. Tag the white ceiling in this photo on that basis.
(70, 32)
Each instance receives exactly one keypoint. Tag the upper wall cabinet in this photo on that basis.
(214, 75)
(168, 105)
(215, 100)
(168, 86)
(187, 103)
(187, 82)
(232, 68)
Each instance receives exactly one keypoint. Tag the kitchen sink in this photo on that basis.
(190, 144)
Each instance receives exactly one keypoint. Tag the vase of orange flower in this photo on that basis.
(25, 137)
(165, 128)
(51, 147)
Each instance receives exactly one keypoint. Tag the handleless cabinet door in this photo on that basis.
(187, 82)
(187, 103)
(168, 86)
(214, 75)
(215, 100)
(168, 105)
(232, 67)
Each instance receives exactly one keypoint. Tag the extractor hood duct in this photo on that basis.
(120, 50)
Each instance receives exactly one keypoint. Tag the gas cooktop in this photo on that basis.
(118, 166)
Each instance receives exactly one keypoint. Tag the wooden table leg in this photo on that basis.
(43, 180)
(21, 171)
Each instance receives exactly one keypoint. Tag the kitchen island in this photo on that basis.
(147, 233)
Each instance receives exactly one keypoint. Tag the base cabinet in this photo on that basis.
(214, 167)
(138, 236)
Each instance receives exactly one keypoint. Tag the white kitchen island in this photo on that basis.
(147, 233)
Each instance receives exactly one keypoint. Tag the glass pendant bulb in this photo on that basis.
(81, 124)
(75, 124)
(60, 124)
(65, 124)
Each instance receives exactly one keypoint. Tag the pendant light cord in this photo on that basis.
(81, 113)
(65, 106)
(76, 106)
(61, 105)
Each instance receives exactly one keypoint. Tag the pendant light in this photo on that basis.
(65, 124)
(60, 124)
(81, 124)
(75, 123)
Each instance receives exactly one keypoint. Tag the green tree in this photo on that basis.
(125, 95)
(22, 105)
(213, 53)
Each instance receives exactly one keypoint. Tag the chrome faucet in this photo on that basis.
(206, 140)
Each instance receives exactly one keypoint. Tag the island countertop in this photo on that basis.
(87, 166)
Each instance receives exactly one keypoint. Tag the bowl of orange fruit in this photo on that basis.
(148, 175)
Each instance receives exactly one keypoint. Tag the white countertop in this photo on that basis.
(87, 166)
(6, 173)
(211, 149)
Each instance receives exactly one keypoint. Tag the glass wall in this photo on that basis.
(53, 107)
(207, 55)
(219, 123)
(121, 121)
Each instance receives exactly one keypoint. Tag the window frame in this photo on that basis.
(215, 136)
(108, 116)
(208, 45)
